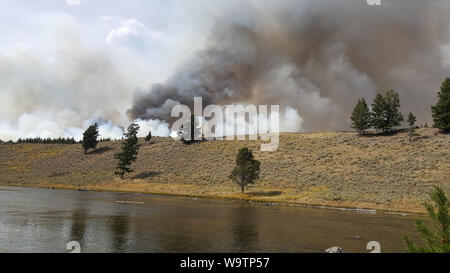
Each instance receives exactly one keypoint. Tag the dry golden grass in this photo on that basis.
(335, 169)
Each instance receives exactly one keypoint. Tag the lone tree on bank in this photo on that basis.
(361, 117)
(149, 136)
(438, 239)
(246, 170)
(441, 111)
(385, 111)
(129, 152)
(411, 121)
(90, 138)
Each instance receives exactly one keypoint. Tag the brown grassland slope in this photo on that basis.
(335, 168)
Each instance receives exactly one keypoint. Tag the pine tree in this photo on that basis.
(246, 170)
(385, 111)
(89, 138)
(129, 152)
(377, 115)
(411, 121)
(436, 240)
(441, 111)
(149, 136)
(361, 117)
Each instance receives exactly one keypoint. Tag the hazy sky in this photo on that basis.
(67, 63)
(153, 35)
(82, 60)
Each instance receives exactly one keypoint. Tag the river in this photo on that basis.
(45, 220)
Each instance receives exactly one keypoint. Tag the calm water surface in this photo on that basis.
(43, 220)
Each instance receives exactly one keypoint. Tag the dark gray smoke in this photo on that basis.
(318, 56)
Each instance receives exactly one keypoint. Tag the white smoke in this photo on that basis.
(318, 57)
(45, 125)
(288, 121)
(73, 2)
(156, 127)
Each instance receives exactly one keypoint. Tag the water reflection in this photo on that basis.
(78, 226)
(244, 230)
(119, 228)
(40, 220)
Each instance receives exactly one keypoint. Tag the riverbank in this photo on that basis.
(336, 169)
(265, 196)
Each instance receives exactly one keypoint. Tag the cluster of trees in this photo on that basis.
(385, 112)
(129, 150)
(245, 172)
(39, 140)
(48, 140)
(125, 157)
(441, 111)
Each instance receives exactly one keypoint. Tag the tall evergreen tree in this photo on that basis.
(149, 136)
(361, 117)
(246, 170)
(130, 148)
(441, 111)
(435, 240)
(411, 121)
(377, 115)
(385, 111)
(90, 138)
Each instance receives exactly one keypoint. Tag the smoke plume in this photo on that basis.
(62, 94)
(61, 69)
(318, 57)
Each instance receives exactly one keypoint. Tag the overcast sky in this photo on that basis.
(153, 35)
(43, 44)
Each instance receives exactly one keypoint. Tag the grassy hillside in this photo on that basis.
(337, 169)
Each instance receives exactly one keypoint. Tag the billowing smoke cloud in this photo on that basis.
(318, 57)
(288, 121)
(46, 125)
(62, 93)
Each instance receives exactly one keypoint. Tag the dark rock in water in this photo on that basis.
(81, 190)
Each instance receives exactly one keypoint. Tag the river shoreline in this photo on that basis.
(347, 206)
(332, 169)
